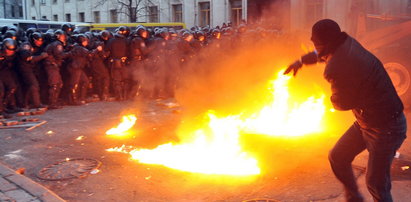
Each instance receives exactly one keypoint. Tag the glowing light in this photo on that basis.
(214, 148)
(282, 117)
(128, 121)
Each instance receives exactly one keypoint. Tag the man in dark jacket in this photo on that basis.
(359, 83)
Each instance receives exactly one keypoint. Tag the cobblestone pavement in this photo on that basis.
(19, 188)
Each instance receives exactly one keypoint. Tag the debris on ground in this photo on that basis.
(69, 169)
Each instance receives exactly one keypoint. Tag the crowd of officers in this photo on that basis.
(64, 66)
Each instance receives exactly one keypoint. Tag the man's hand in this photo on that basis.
(294, 67)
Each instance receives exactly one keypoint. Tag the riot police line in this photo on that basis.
(64, 67)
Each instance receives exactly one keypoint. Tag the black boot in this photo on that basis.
(53, 97)
(73, 100)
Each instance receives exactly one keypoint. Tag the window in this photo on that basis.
(44, 17)
(178, 13)
(81, 17)
(20, 11)
(314, 11)
(54, 1)
(55, 26)
(153, 14)
(204, 18)
(68, 17)
(113, 15)
(67, 1)
(43, 2)
(13, 11)
(33, 2)
(236, 12)
(25, 26)
(96, 16)
(33, 18)
(43, 27)
(55, 18)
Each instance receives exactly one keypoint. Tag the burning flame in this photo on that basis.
(128, 121)
(279, 119)
(214, 148)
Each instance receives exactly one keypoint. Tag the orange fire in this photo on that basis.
(214, 147)
(123, 128)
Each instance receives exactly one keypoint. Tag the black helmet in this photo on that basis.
(186, 35)
(89, 35)
(173, 34)
(49, 35)
(13, 27)
(67, 28)
(164, 34)
(30, 31)
(141, 30)
(58, 34)
(199, 35)
(26, 46)
(216, 33)
(81, 38)
(10, 44)
(105, 35)
(123, 31)
(10, 34)
(206, 29)
(36, 36)
(128, 31)
(76, 31)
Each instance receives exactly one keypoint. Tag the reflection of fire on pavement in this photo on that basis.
(214, 147)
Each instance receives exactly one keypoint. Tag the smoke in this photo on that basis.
(231, 78)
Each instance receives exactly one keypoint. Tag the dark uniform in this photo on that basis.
(137, 55)
(52, 65)
(99, 72)
(7, 74)
(26, 64)
(78, 79)
(117, 48)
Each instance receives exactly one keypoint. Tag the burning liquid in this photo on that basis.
(214, 148)
(122, 129)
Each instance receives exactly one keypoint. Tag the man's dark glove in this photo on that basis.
(294, 67)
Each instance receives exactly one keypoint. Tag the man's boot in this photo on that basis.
(83, 94)
(53, 97)
(73, 100)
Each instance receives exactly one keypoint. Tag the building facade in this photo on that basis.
(289, 14)
(191, 12)
(12, 9)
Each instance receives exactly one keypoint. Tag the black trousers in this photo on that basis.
(10, 86)
(381, 144)
(31, 83)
